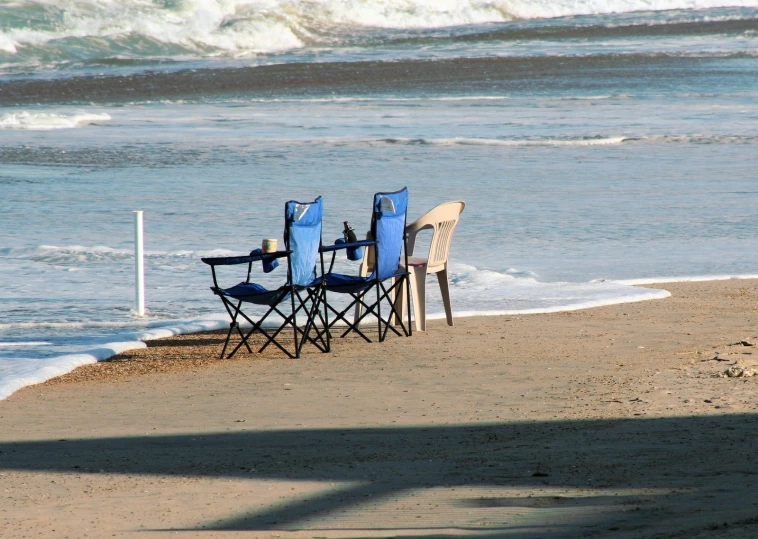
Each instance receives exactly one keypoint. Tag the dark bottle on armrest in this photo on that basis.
(353, 253)
(349, 234)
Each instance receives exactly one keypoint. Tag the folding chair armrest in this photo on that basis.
(338, 246)
(229, 260)
(258, 255)
(246, 259)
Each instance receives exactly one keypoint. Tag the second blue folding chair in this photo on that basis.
(389, 278)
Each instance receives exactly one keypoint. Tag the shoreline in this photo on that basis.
(59, 365)
(567, 424)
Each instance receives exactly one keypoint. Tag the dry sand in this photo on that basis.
(607, 422)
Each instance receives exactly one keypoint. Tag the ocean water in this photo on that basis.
(598, 144)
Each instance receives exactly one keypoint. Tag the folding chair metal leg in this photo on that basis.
(387, 294)
(379, 313)
(294, 322)
(351, 326)
(233, 324)
(311, 325)
(326, 320)
(301, 336)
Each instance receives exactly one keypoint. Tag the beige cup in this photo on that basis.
(270, 245)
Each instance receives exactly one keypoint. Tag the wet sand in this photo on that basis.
(616, 421)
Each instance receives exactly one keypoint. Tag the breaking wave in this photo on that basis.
(41, 32)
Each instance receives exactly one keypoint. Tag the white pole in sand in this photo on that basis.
(139, 265)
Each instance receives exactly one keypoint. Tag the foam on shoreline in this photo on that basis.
(18, 373)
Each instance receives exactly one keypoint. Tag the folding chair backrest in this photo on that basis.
(302, 235)
(388, 228)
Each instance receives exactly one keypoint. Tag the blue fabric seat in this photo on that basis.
(302, 296)
(389, 277)
(347, 283)
(252, 293)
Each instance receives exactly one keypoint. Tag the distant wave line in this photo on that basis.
(578, 141)
(374, 99)
(464, 141)
(126, 157)
(79, 253)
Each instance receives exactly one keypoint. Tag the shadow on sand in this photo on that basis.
(696, 473)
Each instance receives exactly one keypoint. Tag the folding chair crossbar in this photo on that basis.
(340, 315)
(375, 309)
(310, 304)
(291, 320)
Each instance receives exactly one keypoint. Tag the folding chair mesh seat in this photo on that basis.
(300, 298)
(389, 277)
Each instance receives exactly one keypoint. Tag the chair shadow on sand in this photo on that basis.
(696, 472)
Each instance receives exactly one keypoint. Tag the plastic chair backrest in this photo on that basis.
(302, 235)
(388, 228)
(442, 220)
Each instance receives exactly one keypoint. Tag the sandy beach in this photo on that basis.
(616, 421)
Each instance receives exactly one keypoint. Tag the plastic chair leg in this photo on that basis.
(358, 306)
(418, 290)
(358, 311)
(445, 290)
(399, 302)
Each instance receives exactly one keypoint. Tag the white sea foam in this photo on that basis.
(21, 372)
(45, 121)
(16, 373)
(183, 327)
(485, 292)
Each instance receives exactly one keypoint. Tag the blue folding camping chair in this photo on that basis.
(301, 297)
(389, 276)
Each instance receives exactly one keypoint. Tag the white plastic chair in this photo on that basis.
(442, 221)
